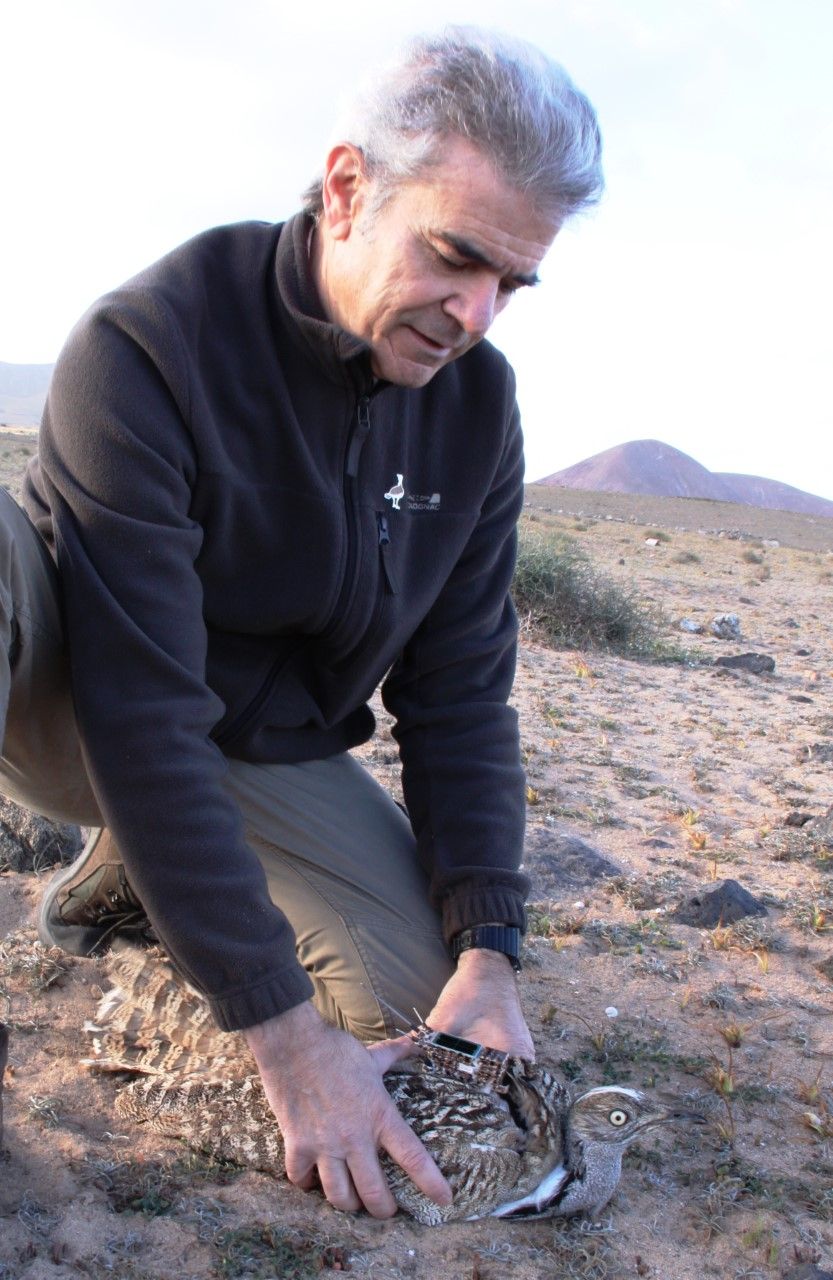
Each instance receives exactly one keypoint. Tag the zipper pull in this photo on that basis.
(384, 543)
(360, 433)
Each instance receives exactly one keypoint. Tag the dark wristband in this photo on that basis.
(504, 938)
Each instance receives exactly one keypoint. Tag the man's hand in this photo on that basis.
(480, 1002)
(335, 1114)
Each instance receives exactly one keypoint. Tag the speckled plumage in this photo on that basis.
(534, 1151)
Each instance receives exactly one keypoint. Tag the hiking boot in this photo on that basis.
(87, 903)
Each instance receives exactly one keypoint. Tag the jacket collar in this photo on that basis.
(342, 357)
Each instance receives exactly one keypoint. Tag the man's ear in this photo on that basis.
(344, 188)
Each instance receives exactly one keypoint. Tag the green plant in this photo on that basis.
(268, 1250)
(564, 600)
(685, 557)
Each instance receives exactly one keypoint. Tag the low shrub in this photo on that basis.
(562, 598)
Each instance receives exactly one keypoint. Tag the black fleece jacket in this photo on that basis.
(218, 479)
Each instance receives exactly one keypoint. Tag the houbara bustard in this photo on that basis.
(526, 1148)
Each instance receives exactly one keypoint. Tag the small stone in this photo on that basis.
(798, 697)
(726, 626)
(756, 663)
(652, 542)
(688, 624)
(797, 818)
(611, 1011)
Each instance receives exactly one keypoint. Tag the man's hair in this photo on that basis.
(518, 107)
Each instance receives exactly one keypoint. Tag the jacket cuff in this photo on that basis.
(237, 1010)
(471, 904)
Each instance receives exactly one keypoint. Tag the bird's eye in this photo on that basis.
(618, 1118)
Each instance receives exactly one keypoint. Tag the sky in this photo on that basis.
(693, 306)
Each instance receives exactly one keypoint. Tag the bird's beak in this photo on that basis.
(686, 1115)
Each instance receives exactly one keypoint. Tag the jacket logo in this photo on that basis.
(396, 492)
(423, 502)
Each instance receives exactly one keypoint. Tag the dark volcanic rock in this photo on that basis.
(757, 663)
(30, 843)
(817, 753)
(723, 905)
(807, 1271)
(797, 818)
(565, 861)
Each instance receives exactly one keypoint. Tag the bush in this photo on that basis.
(685, 557)
(562, 598)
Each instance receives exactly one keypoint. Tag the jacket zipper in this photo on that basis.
(360, 432)
(384, 554)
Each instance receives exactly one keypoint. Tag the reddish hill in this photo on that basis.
(755, 491)
(651, 467)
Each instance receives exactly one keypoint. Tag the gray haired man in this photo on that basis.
(277, 469)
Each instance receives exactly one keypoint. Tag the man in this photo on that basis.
(276, 469)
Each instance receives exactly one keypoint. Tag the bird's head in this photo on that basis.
(618, 1115)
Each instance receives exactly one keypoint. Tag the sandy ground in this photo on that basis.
(681, 775)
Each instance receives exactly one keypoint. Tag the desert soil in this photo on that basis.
(680, 774)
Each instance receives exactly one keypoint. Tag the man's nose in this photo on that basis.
(474, 305)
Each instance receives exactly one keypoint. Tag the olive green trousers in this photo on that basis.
(339, 854)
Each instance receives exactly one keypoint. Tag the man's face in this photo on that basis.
(422, 280)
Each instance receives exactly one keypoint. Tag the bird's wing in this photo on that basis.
(470, 1133)
(152, 1021)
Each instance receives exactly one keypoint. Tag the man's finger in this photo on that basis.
(386, 1052)
(337, 1185)
(371, 1184)
(300, 1171)
(403, 1146)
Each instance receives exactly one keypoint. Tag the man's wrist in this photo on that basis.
(285, 1029)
